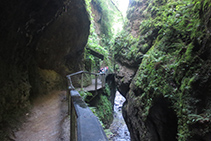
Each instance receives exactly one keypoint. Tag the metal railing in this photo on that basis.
(103, 75)
(84, 125)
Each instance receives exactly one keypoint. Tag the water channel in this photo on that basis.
(119, 127)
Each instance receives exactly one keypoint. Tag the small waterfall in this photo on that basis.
(119, 127)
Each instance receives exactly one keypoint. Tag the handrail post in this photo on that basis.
(73, 123)
(71, 117)
(103, 80)
(69, 103)
(95, 83)
(70, 87)
(82, 81)
(101, 76)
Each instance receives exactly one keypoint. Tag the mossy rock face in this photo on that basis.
(183, 82)
(104, 111)
(174, 74)
(131, 45)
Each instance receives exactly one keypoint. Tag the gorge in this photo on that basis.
(161, 61)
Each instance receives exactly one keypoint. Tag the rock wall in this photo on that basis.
(167, 45)
(101, 12)
(41, 41)
(132, 44)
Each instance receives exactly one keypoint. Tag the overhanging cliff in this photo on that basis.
(41, 41)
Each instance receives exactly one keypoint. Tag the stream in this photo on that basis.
(118, 127)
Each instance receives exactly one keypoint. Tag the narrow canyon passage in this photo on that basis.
(119, 127)
(47, 121)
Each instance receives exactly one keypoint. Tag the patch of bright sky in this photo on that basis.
(122, 6)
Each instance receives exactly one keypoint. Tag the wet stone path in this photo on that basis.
(47, 120)
(119, 127)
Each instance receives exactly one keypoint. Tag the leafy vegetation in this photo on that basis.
(174, 30)
(104, 110)
(84, 94)
(128, 47)
(167, 74)
(181, 15)
(103, 107)
(107, 90)
(169, 49)
(101, 36)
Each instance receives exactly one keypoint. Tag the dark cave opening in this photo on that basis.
(162, 121)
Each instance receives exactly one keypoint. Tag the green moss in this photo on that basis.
(172, 67)
(169, 74)
(128, 48)
(107, 90)
(103, 42)
(104, 110)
